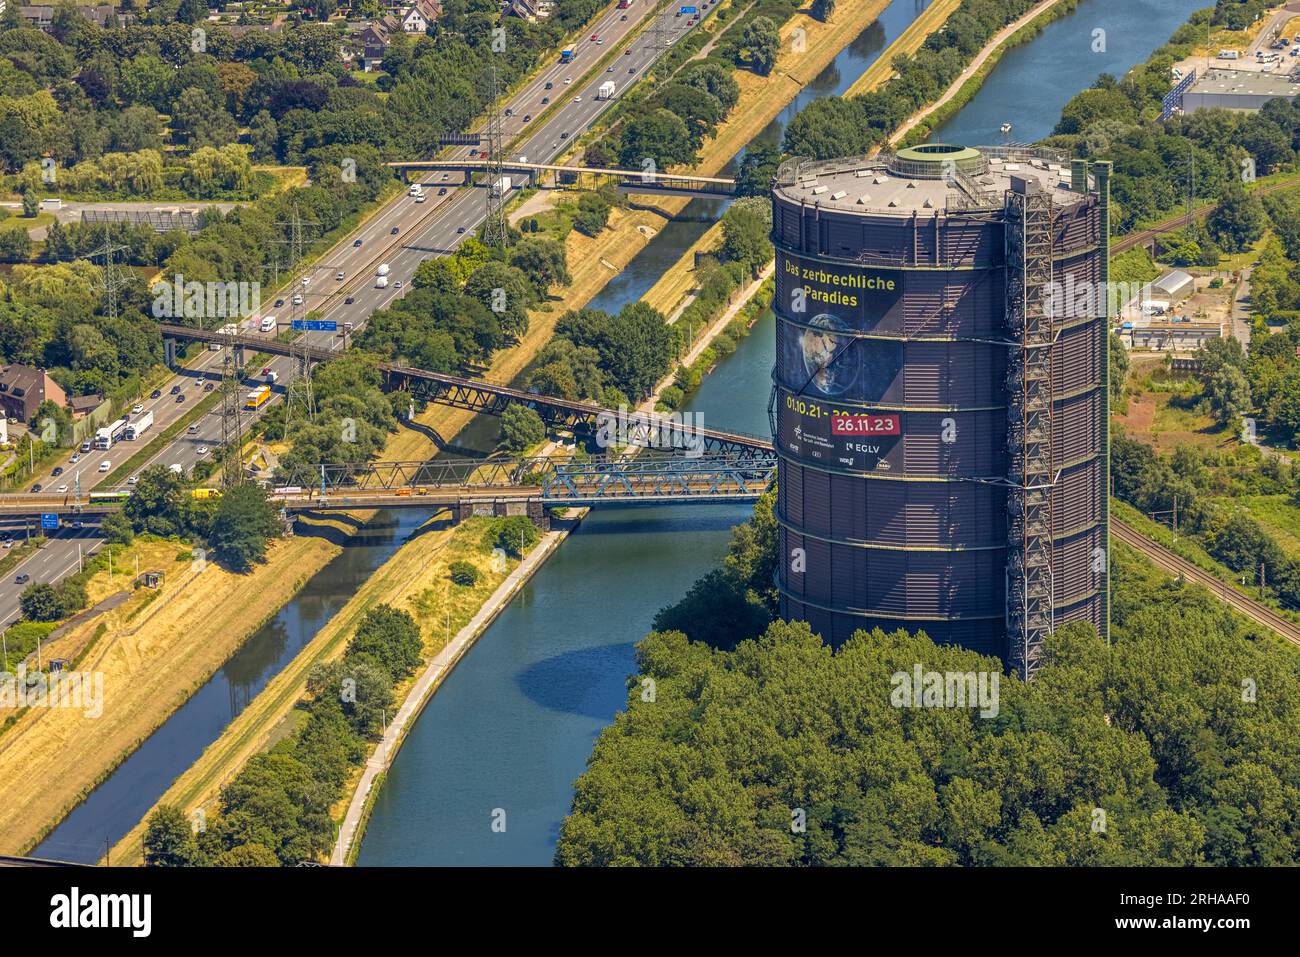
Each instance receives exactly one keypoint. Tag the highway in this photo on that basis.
(402, 233)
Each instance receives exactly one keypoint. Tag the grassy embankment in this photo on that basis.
(50, 759)
(770, 98)
(414, 579)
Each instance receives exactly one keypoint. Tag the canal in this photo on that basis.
(513, 725)
(127, 794)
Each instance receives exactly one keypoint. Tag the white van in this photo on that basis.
(381, 282)
(267, 324)
(176, 469)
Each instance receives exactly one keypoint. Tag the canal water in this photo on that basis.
(126, 796)
(513, 725)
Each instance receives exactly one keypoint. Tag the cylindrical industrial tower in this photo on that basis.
(938, 403)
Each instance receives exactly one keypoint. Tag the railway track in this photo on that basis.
(1143, 236)
(1167, 560)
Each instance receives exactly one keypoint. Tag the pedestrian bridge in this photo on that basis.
(624, 180)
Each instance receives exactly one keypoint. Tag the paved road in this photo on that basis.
(403, 233)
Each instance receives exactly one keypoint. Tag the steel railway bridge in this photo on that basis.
(474, 395)
(493, 486)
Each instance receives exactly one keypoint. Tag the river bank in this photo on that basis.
(152, 652)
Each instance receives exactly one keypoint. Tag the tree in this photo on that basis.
(390, 638)
(507, 292)
(757, 168)
(592, 215)
(116, 529)
(1229, 393)
(40, 602)
(1238, 221)
(745, 230)
(543, 261)
(154, 505)
(655, 141)
(822, 9)
(759, 46)
(521, 429)
(15, 244)
(515, 535)
(247, 855)
(463, 573)
(169, 839)
(244, 523)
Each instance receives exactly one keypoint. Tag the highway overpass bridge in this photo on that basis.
(555, 176)
(649, 430)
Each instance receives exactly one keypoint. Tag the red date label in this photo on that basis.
(843, 423)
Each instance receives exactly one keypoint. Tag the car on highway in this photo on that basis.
(609, 69)
(22, 579)
(61, 489)
(549, 84)
(564, 134)
(207, 387)
(446, 176)
(105, 466)
(36, 487)
(349, 301)
(622, 18)
(338, 276)
(510, 111)
(578, 98)
(568, 80)
(58, 470)
(528, 117)
(132, 480)
(193, 429)
(137, 409)
(180, 398)
(78, 524)
(9, 543)
(174, 389)
(593, 38)
(76, 457)
(356, 243)
(459, 230)
(631, 69)
(297, 300)
(201, 450)
(545, 100)
(394, 231)
(155, 394)
(442, 190)
(398, 284)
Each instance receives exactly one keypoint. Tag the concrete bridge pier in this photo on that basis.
(504, 507)
(169, 353)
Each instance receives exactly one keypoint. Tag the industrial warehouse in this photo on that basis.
(940, 444)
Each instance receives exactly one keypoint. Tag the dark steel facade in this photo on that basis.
(890, 418)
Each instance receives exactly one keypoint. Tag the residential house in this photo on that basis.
(24, 388)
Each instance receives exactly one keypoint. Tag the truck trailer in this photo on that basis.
(606, 91)
(139, 427)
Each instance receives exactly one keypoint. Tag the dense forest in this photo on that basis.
(1177, 744)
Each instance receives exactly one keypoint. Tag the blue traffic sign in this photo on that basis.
(315, 325)
(50, 520)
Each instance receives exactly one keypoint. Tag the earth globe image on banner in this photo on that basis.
(827, 352)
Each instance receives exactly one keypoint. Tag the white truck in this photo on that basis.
(139, 427)
(501, 186)
(1155, 307)
(381, 276)
(606, 91)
